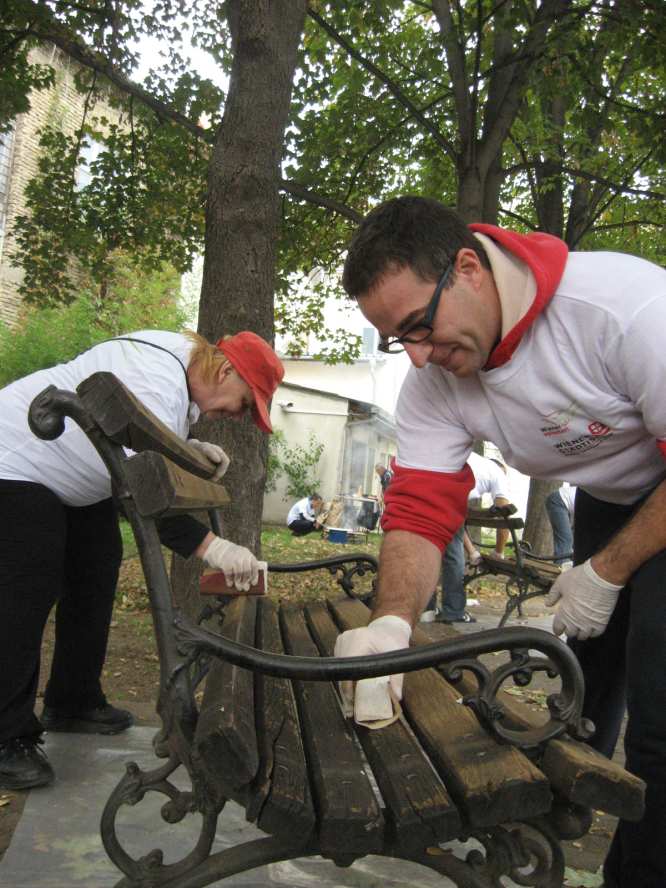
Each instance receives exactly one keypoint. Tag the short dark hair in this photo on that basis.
(406, 232)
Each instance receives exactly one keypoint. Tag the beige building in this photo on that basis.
(63, 105)
(355, 435)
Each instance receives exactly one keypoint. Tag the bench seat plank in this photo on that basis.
(580, 773)
(160, 487)
(491, 784)
(280, 799)
(541, 573)
(225, 738)
(419, 811)
(349, 817)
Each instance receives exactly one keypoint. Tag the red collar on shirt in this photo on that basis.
(546, 257)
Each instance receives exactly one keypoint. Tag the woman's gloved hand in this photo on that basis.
(238, 564)
(213, 453)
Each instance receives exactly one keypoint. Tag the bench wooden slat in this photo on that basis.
(349, 817)
(492, 522)
(419, 809)
(537, 572)
(125, 420)
(586, 777)
(578, 772)
(225, 739)
(160, 487)
(491, 784)
(280, 799)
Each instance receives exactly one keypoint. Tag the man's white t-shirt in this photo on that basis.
(488, 477)
(303, 508)
(69, 465)
(581, 398)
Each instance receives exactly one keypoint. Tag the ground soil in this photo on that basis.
(131, 677)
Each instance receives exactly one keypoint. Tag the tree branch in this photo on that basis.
(526, 222)
(455, 56)
(616, 186)
(582, 174)
(303, 193)
(379, 74)
(77, 50)
(632, 223)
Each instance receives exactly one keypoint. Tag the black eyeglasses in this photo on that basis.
(420, 331)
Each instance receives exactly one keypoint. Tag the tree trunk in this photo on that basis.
(478, 192)
(242, 226)
(537, 526)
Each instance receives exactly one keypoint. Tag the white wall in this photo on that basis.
(373, 380)
(326, 417)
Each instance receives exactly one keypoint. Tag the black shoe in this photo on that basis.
(466, 618)
(23, 765)
(103, 720)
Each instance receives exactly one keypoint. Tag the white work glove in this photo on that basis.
(213, 453)
(474, 558)
(238, 564)
(389, 633)
(586, 602)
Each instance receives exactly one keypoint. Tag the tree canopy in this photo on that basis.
(543, 115)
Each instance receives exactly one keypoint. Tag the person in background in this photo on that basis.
(489, 477)
(560, 509)
(61, 544)
(303, 515)
(384, 476)
(557, 358)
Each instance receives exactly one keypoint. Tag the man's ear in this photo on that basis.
(468, 264)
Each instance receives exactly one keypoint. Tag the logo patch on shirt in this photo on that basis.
(597, 432)
(557, 422)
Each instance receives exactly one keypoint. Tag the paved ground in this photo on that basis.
(56, 839)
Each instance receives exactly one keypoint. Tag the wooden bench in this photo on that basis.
(269, 732)
(527, 576)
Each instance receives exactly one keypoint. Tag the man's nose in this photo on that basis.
(418, 352)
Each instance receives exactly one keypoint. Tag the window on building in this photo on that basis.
(90, 151)
(6, 142)
(369, 343)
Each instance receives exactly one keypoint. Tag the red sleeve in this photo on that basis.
(430, 504)
(662, 446)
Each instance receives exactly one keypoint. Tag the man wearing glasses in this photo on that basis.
(558, 358)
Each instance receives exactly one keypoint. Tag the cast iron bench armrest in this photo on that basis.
(565, 708)
(343, 567)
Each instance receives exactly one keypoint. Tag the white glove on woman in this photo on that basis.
(586, 602)
(389, 633)
(238, 564)
(213, 453)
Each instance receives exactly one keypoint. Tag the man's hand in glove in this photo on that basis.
(213, 453)
(388, 633)
(584, 602)
(239, 566)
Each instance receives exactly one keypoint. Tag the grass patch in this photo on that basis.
(278, 545)
(129, 543)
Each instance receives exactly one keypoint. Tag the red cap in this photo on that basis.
(257, 365)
